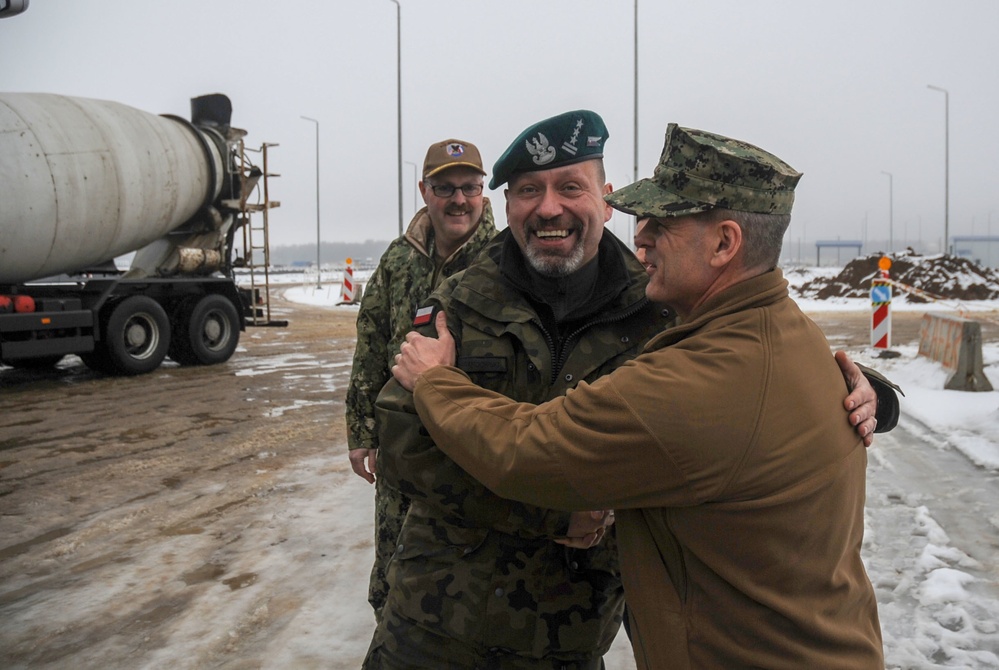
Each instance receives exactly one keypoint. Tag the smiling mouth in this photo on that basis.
(552, 234)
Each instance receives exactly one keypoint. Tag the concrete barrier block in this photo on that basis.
(955, 343)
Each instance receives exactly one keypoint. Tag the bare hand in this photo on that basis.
(587, 529)
(418, 353)
(862, 403)
(362, 461)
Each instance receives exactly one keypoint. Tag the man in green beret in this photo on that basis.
(554, 301)
(441, 240)
(738, 488)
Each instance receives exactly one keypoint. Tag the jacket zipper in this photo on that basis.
(620, 316)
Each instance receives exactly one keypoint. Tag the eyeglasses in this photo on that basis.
(447, 190)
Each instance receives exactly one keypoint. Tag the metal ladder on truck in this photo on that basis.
(256, 241)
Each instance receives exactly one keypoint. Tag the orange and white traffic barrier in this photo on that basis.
(347, 294)
(881, 307)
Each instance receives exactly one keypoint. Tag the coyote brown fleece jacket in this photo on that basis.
(738, 483)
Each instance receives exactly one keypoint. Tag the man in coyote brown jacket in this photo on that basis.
(738, 489)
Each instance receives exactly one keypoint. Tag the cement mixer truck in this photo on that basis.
(85, 183)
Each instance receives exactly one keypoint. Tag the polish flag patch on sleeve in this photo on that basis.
(423, 316)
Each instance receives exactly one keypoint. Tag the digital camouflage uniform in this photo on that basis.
(406, 275)
(477, 581)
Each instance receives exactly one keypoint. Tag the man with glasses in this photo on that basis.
(479, 581)
(441, 240)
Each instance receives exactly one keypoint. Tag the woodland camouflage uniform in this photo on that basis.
(407, 273)
(478, 581)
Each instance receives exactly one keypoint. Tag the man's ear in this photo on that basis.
(608, 210)
(728, 242)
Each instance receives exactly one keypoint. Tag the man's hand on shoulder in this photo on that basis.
(862, 402)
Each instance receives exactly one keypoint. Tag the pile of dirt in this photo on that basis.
(940, 275)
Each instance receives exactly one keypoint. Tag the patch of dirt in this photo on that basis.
(941, 275)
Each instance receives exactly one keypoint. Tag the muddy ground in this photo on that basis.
(117, 495)
(183, 518)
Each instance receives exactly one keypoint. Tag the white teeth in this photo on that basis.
(552, 233)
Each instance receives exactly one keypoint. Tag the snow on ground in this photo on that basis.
(932, 503)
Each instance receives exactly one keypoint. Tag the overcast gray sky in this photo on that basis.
(837, 89)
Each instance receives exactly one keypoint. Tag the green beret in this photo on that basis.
(561, 140)
(699, 171)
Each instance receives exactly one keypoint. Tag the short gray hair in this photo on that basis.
(762, 234)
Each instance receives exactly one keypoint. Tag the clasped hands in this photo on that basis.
(587, 529)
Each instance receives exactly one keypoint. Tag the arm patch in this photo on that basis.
(424, 316)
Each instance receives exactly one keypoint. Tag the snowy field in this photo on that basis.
(932, 541)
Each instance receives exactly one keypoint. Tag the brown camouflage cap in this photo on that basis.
(699, 171)
(449, 154)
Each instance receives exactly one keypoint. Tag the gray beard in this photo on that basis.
(555, 266)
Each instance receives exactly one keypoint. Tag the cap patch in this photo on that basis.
(455, 150)
(541, 152)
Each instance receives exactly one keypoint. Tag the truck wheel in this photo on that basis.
(206, 332)
(97, 360)
(136, 336)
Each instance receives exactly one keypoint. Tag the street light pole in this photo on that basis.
(635, 171)
(946, 165)
(398, 96)
(891, 217)
(415, 188)
(319, 272)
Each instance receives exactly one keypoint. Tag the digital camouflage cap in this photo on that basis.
(699, 171)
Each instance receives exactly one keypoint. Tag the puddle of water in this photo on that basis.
(240, 581)
(181, 529)
(206, 573)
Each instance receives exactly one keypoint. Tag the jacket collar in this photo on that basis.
(759, 291)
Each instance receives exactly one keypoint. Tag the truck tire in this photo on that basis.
(136, 336)
(97, 360)
(206, 331)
